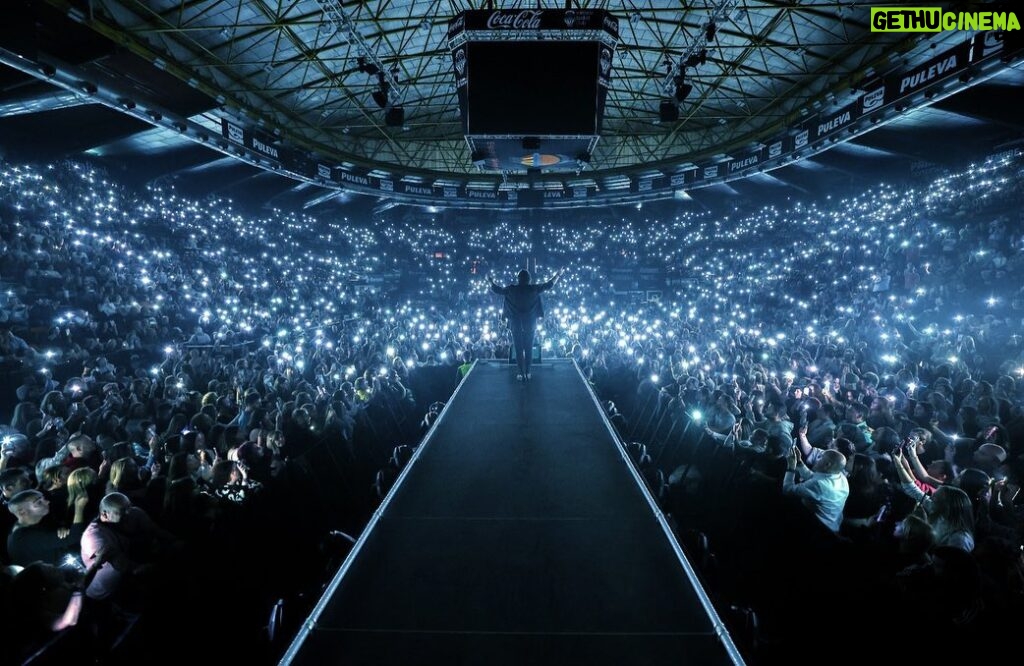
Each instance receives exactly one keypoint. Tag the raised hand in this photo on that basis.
(793, 457)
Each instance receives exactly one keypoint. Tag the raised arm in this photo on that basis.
(906, 478)
(802, 443)
(544, 286)
(495, 287)
(795, 470)
(938, 435)
(919, 470)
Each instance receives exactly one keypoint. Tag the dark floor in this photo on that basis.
(518, 536)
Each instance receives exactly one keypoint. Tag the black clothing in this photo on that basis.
(522, 301)
(40, 543)
(523, 307)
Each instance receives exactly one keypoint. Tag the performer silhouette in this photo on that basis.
(523, 307)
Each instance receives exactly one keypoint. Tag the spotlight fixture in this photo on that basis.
(683, 89)
(668, 112)
(394, 116)
(367, 67)
(711, 31)
(380, 95)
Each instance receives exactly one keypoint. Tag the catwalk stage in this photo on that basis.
(518, 534)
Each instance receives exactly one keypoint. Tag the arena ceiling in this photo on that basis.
(289, 63)
(296, 71)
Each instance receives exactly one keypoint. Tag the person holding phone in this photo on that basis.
(855, 428)
(823, 489)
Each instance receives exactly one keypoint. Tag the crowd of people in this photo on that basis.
(197, 391)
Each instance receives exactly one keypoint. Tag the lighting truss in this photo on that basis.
(334, 12)
(719, 14)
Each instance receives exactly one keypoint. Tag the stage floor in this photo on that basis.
(518, 536)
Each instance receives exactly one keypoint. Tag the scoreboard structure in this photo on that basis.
(532, 84)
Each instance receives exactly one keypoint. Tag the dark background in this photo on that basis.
(533, 88)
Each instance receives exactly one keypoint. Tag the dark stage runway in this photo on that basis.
(518, 535)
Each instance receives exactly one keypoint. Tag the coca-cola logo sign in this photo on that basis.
(527, 19)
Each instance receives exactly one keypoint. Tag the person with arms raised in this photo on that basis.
(523, 308)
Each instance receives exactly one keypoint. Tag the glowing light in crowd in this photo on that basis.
(309, 279)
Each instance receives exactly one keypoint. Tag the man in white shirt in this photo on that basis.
(824, 489)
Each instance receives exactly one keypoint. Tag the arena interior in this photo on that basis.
(257, 388)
